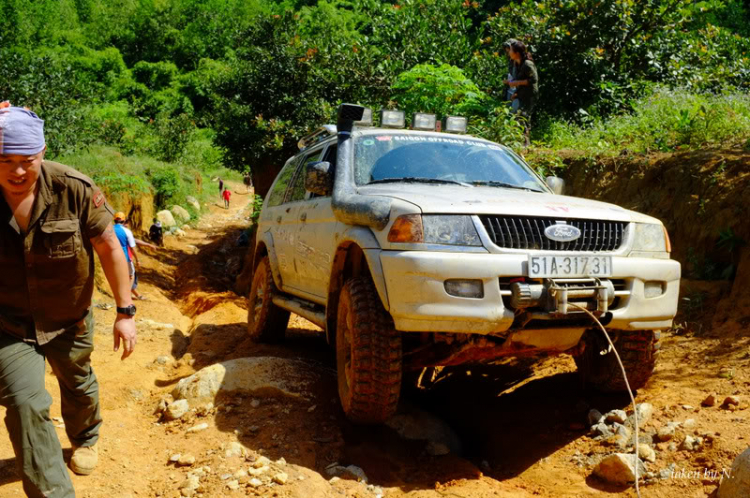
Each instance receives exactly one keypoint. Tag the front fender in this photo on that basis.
(366, 241)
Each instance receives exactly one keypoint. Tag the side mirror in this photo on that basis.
(556, 184)
(319, 178)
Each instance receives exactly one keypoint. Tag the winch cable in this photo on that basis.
(627, 385)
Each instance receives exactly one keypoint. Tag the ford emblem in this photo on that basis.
(562, 233)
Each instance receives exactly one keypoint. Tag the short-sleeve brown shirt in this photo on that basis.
(47, 273)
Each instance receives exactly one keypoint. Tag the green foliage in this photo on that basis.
(439, 90)
(206, 83)
(666, 120)
(167, 183)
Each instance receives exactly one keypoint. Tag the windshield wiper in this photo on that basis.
(418, 180)
(492, 183)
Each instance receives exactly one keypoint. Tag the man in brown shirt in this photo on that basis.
(52, 219)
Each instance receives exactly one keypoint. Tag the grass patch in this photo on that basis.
(169, 183)
(666, 120)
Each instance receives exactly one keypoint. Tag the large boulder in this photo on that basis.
(166, 218)
(737, 483)
(192, 201)
(180, 213)
(263, 375)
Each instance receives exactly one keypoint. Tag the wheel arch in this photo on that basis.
(358, 254)
(265, 247)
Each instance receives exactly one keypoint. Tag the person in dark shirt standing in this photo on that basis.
(526, 84)
(52, 220)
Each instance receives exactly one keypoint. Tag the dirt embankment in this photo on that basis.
(702, 197)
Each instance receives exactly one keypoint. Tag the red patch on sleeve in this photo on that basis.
(98, 198)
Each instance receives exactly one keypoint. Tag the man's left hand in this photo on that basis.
(124, 329)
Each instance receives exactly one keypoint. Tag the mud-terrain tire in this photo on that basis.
(266, 322)
(368, 354)
(638, 350)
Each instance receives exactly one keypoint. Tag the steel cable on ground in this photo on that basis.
(627, 385)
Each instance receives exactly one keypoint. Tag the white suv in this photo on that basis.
(415, 248)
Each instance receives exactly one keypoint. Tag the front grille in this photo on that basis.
(522, 232)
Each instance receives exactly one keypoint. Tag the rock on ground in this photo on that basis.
(617, 416)
(176, 409)
(265, 375)
(180, 213)
(416, 424)
(595, 417)
(646, 452)
(193, 202)
(709, 401)
(739, 484)
(166, 218)
(619, 468)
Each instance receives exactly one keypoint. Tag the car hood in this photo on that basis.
(450, 199)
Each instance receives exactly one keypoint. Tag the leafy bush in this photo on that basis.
(666, 120)
(167, 183)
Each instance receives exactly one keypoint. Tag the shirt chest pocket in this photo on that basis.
(62, 238)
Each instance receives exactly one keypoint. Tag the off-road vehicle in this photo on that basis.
(414, 248)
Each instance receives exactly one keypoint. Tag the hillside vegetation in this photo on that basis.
(203, 84)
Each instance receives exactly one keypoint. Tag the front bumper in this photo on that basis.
(419, 302)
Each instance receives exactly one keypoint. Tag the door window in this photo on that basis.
(298, 187)
(276, 197)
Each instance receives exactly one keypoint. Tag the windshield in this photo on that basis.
(439, 160)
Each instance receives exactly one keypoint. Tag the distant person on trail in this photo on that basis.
(248, 181)
(221, 187)
(156, 233)
(127, 242)
(526, 84)
(53, 220)
(226, 195)
(140, 243)
(509, 94)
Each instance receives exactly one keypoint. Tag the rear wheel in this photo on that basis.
(266, 322)
(638, 350)
(368, 354)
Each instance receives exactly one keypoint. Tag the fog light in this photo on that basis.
(465, 288)
(653, 289)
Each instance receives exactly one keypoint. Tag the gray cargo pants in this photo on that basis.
(38, 453)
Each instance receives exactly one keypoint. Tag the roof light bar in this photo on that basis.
(392, 119)
(366, 118)
(423, 121)
(455, 124)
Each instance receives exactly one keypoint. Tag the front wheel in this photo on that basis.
(638, 350)
(368, 354)
(266, 322)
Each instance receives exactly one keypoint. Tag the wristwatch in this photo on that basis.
(129, 311)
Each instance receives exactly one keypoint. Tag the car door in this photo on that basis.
(316, 243)
(277, 217)
(295, 199)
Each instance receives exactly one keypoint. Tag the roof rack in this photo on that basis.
(322, 133)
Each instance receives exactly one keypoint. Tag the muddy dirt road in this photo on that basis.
(514, 428)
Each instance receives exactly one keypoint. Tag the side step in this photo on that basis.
(303, 309)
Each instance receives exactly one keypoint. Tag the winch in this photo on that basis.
(553, 295)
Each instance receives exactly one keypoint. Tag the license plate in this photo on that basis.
(572, 266)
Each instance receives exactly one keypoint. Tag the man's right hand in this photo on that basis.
(124, 329)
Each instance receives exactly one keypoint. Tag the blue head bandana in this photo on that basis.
(21, 132)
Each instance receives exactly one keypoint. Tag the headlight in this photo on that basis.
(450, 229)
(456, 230)
(651, 238)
